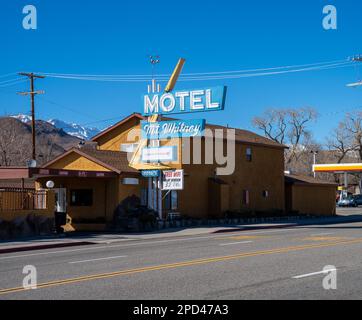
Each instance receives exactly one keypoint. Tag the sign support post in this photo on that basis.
(160, 196)
(154, 184)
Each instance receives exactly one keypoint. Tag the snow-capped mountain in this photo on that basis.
(75, 129)
(72, 129)
(22, 117)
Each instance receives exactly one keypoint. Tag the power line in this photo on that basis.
(66, 108)
(145, 77)
(250, 75)
(12, 83)
(204, 78)
(7, 75)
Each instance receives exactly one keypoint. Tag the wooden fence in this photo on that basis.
(23, 199)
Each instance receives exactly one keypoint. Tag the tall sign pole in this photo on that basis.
(32, 94)
(153, 182)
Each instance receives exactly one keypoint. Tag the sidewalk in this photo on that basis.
(79, 239)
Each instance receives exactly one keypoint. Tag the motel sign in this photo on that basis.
(212, 99)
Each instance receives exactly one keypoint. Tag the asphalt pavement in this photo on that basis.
(285, 263)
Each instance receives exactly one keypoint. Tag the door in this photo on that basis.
(61, 200)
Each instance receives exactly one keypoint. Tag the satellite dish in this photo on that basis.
(31, 163)
(50, 184)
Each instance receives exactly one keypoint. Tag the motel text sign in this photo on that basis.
(172, 129)
(212, 99)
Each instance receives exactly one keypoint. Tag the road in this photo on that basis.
(263, 264)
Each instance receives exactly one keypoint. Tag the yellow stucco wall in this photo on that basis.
(74, 161)
(121, 134)
(105, 199)
(107, 194)
(264, 172)
(311, 199)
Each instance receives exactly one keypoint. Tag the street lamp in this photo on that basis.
(357, 58)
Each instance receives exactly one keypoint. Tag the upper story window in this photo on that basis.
(249, 154)
(129, 147)
(265, 194)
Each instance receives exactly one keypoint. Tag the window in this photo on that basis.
(81, 198)
(129, 147)
(249, 155)
(171, 200)
(265, 194)
(246, 197)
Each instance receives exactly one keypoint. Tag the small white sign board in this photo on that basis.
(156, 154)
(173, 180)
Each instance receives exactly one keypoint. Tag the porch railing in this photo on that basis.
(22, 199)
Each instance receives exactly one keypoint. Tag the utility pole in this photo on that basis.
(32, 94)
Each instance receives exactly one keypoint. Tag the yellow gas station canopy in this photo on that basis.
(341, 167)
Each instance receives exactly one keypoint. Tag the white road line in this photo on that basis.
(232, 243)
(99, 259)
(321, 234)
(313, 274)
(146, 242)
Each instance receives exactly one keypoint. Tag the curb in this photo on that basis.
(255, 228)
(44, 246)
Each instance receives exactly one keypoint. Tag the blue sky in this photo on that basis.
(115, 37)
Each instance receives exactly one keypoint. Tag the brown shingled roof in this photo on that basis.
(114, 159)
(292, 178)
(245, 136)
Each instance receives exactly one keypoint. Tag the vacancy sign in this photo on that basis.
(159, 154)
(173, 180)
(188, 101)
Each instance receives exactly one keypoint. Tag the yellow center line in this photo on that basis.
(321, 238)
(242, 237)
(180, 264)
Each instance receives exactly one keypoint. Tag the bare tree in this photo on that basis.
(7, 144)
(353, 124)
(289, 127)
(340, 142)
(273, 123)
(346, 140)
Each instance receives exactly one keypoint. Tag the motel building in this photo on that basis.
(96, 177)
(177, 167)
